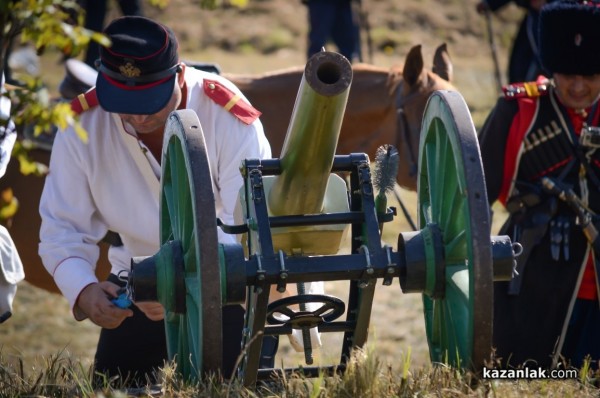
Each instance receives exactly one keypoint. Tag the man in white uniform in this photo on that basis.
(111, 183)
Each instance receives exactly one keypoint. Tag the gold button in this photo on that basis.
(211, 86)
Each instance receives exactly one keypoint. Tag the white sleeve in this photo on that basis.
(241, 142)
(70, 227)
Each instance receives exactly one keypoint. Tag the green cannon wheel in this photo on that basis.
(452, 195)
(187, 214)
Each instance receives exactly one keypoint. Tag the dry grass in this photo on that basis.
(365, 376)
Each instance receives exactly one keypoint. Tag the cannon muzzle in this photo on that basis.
(312, 136)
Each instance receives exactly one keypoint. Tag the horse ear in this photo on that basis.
(413, 67)
(442, 66)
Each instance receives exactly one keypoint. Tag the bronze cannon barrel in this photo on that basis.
(311, 140)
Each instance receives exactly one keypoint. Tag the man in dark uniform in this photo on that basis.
(541, 139)
(95, 13)
(524, 64)
(335, 20)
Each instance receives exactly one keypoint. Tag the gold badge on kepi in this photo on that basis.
(128, 70)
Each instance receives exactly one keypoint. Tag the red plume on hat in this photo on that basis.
(137, 72)
(569, 33)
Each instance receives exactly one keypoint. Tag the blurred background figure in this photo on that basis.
(95, 13)
(22, 59)
(11, 268)
(335, 20)
(524, 64)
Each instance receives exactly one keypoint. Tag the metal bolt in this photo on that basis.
(308, 357)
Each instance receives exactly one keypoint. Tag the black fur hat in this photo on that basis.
(569, 33)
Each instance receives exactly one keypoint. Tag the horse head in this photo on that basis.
(414, 87)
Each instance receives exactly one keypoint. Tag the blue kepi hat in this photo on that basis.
(137, 72)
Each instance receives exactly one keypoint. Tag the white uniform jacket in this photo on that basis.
(110, 183)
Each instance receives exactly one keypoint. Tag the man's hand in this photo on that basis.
(94, 301)
(152, 309)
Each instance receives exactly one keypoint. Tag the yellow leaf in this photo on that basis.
(9, 210)
(81, 133)
(161, 4)
(28, 166)
(239, 3)
(7, 195)
(101, 39)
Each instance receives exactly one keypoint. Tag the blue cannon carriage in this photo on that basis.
(293, 214)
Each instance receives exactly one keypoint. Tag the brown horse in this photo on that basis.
(385, 106)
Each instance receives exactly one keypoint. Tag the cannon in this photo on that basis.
(293, 213)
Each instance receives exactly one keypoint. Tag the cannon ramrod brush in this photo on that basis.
(384, 178)
(386, 168)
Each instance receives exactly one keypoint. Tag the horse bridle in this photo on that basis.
(403, 129)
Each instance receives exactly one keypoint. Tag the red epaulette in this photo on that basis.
(84, 101)
(231, 101)
(526, 89)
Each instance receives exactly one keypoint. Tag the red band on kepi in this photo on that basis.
(127, 87)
